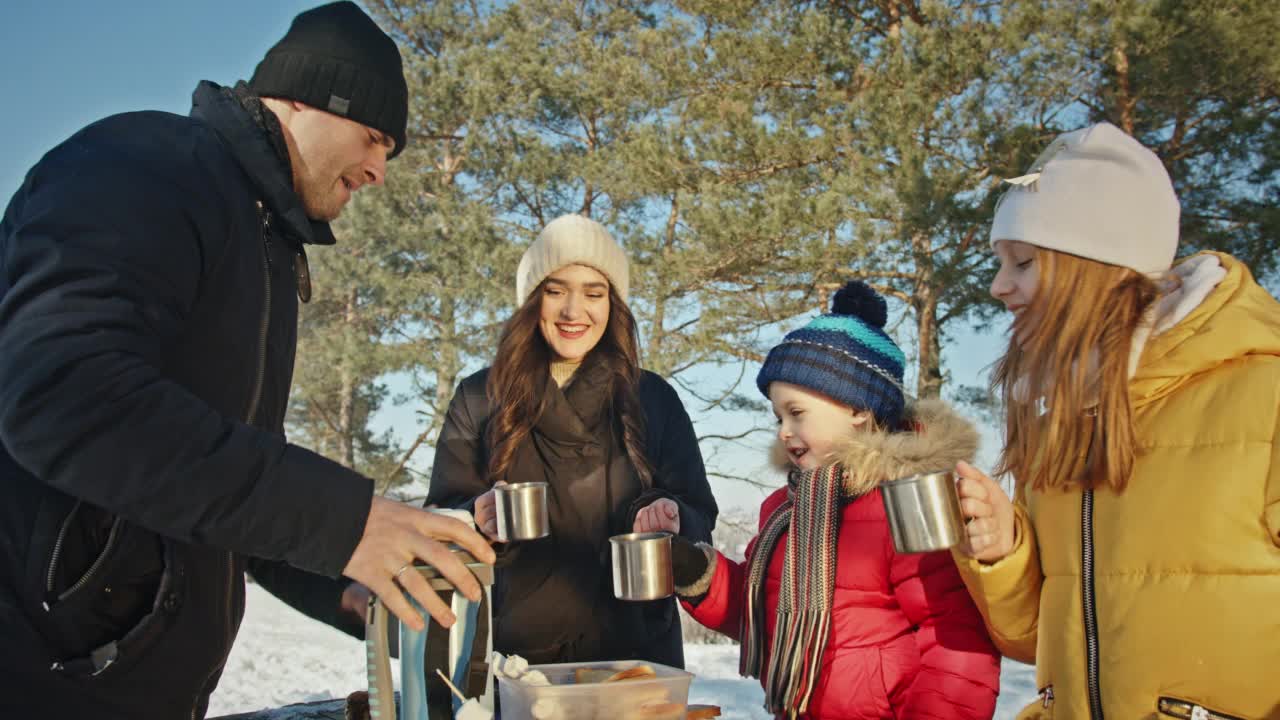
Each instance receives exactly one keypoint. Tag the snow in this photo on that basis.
(282, 657)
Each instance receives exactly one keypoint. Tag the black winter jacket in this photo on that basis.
(553, 598)
(148, 318)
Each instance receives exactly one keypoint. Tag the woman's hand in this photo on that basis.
(988, 515)
(354, 602)
(660, 515)
(487, 513)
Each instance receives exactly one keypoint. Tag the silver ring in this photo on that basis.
(400, 572)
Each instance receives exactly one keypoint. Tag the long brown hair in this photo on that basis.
(517, 382)
(1065, 377)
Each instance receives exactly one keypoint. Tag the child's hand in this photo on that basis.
(988, 515)
(661, 515)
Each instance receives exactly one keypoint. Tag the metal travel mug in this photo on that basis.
(924, 512)
(522, 511)
(642, 566)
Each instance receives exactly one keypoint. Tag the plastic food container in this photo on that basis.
(665, 697)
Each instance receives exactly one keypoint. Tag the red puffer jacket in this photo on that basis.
(906, 640)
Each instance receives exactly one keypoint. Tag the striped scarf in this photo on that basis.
(811, 517)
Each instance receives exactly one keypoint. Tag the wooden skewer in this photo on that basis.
(452, 687)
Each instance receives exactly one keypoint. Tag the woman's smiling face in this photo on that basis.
(575, 311)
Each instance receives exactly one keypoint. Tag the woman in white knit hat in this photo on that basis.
(1138, 565)
(566, 403)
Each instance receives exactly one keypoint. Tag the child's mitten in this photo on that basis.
(692, 565)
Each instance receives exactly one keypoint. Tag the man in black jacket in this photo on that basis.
(150, 271)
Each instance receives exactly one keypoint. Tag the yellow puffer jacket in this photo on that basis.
(1185, 569)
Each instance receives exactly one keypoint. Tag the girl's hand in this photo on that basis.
(487, 513)
(660, 515)
(988, 515)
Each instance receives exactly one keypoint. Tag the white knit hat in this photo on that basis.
(1096, 193)
(572, 240)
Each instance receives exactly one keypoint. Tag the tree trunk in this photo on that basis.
(654, 358)
(1125, 101)
(929, 368)
(925, 304)
(346, 408)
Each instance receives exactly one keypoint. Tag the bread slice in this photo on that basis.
(585, 675)
(659, 711)
(639, 672)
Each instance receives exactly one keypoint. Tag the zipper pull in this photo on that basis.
(1046, 696)
(302, 274)
(265, 216)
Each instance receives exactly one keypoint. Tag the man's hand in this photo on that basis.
(396, 536)
(988, 515)
(660, 515)
(487, 513)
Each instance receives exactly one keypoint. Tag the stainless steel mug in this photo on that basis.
(924, 512)
(642, 566)
(522, 511)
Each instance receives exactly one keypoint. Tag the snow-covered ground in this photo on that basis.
(282, 657)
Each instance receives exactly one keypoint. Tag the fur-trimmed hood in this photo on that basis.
(872, 457)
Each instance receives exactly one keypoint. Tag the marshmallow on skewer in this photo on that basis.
(471, 709)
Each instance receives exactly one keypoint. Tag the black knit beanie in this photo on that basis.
(337, 59)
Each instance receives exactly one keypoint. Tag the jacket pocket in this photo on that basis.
(83, 539)
(1190, 710)
(102, 583)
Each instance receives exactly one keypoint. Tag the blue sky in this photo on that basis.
(68, 63)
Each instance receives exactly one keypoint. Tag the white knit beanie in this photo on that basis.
(1096, 193)
(572, 240)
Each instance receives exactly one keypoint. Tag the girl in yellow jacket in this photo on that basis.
(1138, 565)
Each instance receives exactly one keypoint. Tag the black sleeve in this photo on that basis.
(458, 471)
(678, 470)
(100, 268)
(316, 596)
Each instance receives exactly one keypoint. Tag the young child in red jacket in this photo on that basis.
(833, 621)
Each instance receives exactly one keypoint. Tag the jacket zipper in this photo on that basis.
(57, 551)
(1090, 605)
(57, 554)
(1190, 711)
(265, 324)
(97, 564)
(263, 327)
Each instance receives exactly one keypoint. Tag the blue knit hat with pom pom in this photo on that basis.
(845, 355)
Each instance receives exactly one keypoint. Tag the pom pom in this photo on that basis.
(858, 299)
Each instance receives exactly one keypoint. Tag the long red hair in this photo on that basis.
(1064, 379)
